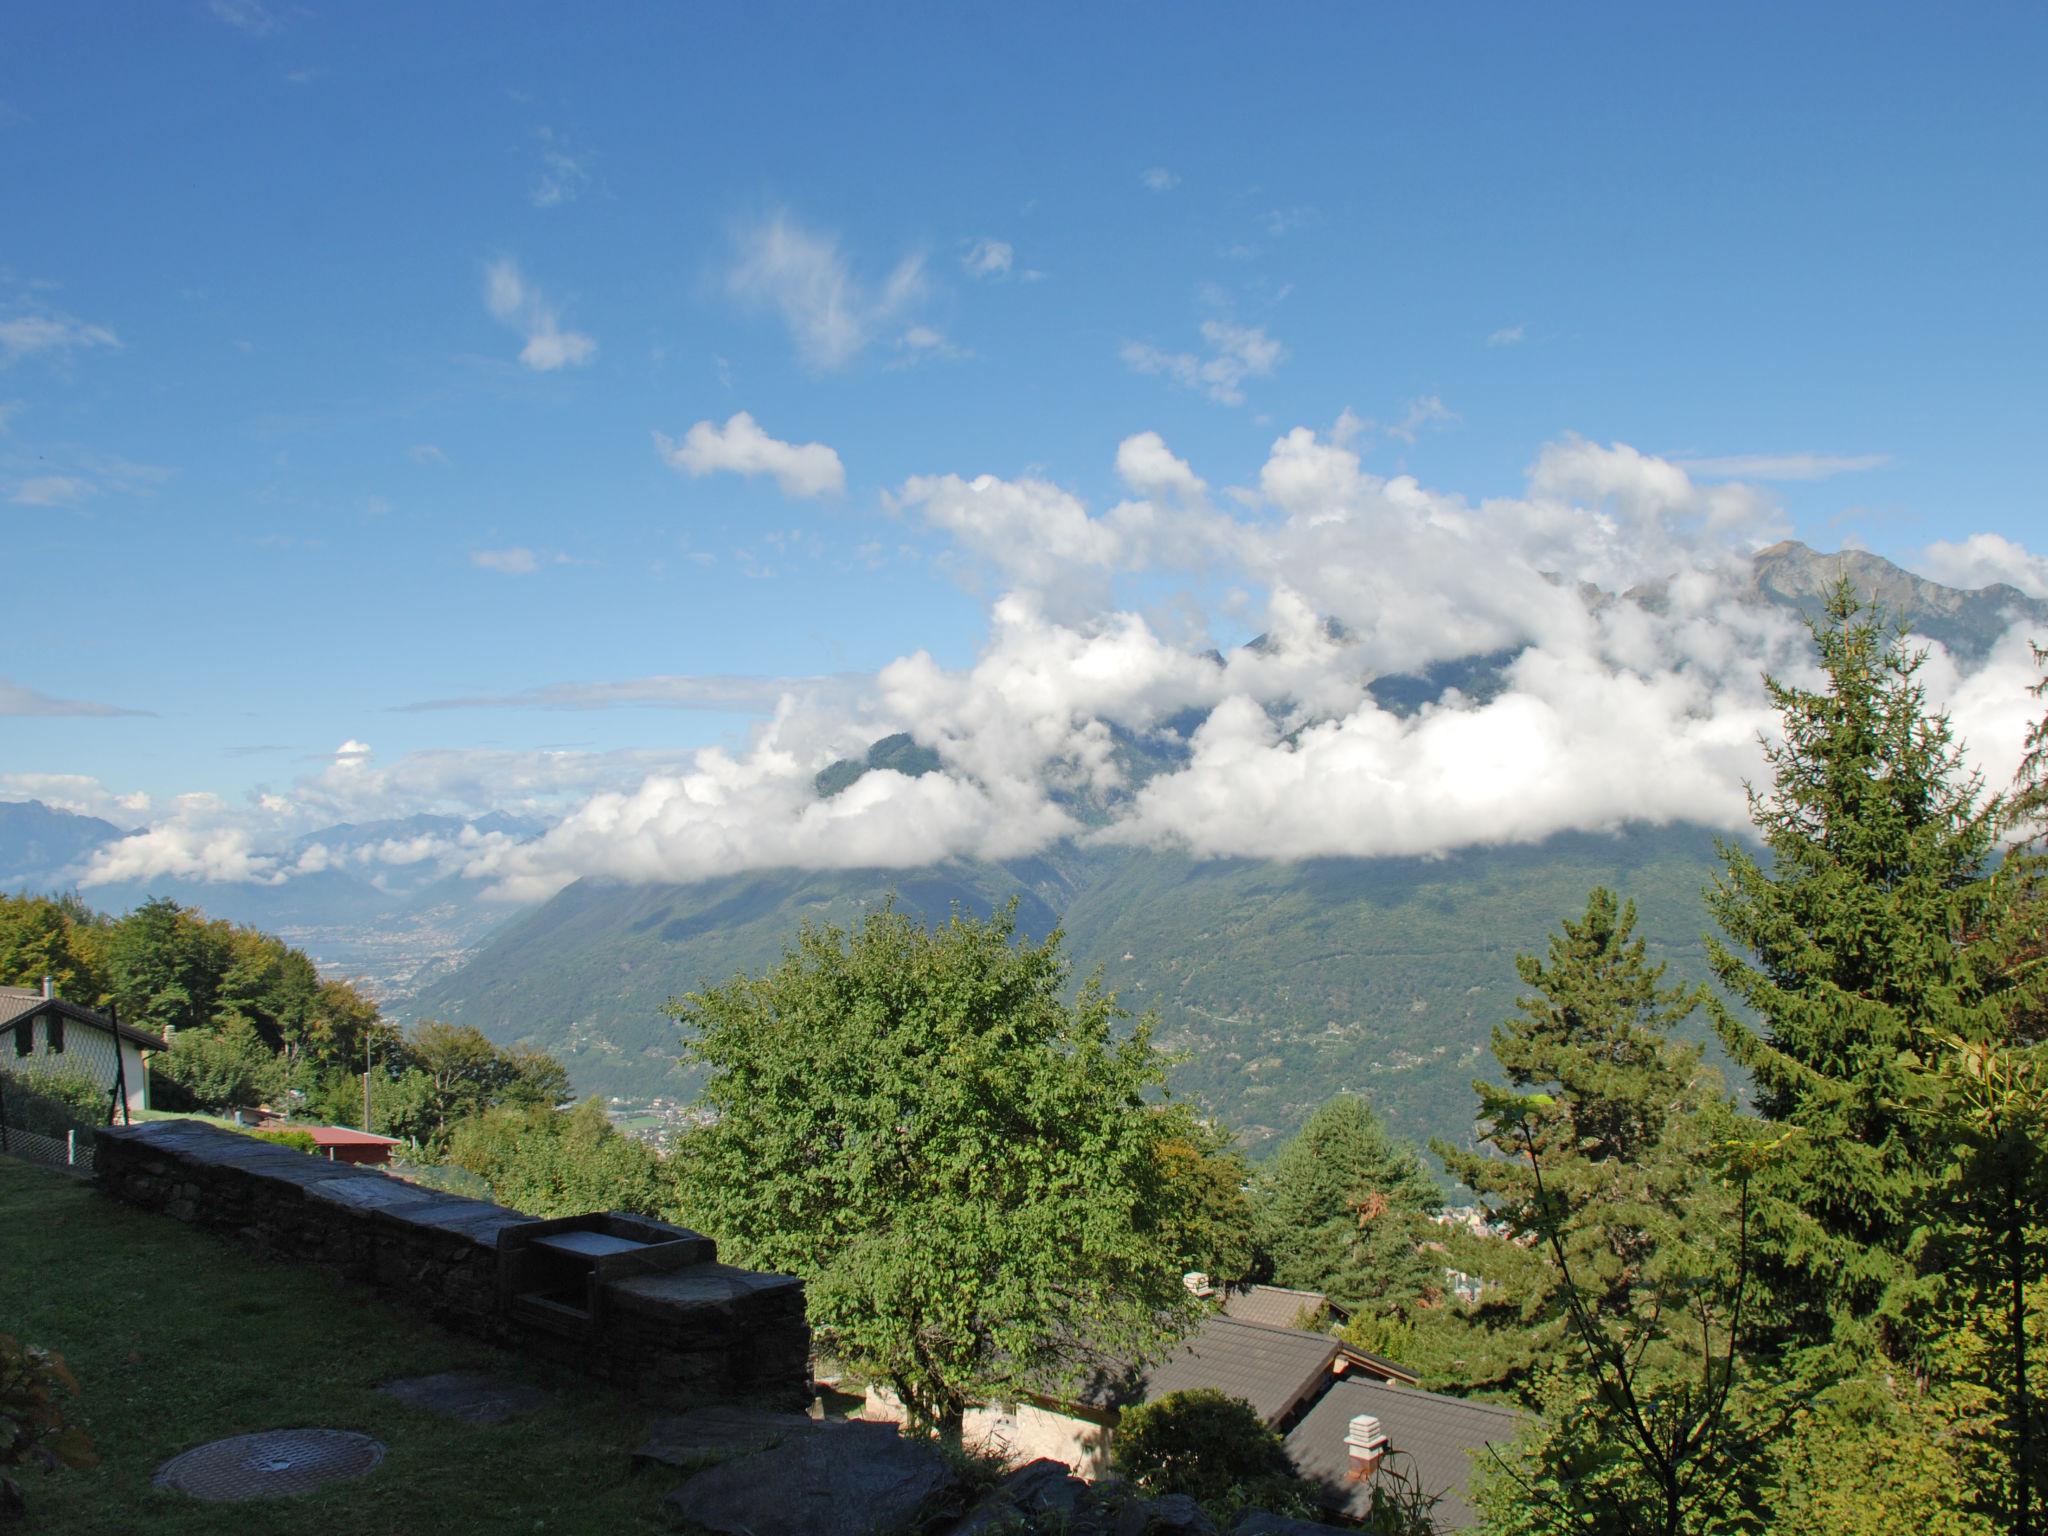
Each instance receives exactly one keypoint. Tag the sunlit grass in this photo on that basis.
(178, 1338)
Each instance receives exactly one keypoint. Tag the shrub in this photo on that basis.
(51, 1103)
(32, 1427)
(1213, 1448)
(302, 1140)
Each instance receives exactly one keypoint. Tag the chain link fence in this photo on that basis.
(59, 1078)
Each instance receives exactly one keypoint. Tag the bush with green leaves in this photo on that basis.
(33, 1429)
(1213, 1448)
(51, 1103)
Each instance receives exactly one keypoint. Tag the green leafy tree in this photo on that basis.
(164, 966)
(1209, 1221)
(220, 1069)
(39, 937)
(1341, 1210)
(1863, 928)
(961, 1164)
(550, 1163)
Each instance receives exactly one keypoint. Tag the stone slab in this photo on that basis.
(370, 1194)
(839, 1480)
(467, 1396)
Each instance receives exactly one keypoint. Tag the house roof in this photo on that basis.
(18, 1003)
(1430, 1440)
(1377, 1365)
(340, 1136)
(1274, 1305)
(1273, 1369)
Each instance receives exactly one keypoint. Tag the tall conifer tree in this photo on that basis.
(1856, 941)
(1593, 1036)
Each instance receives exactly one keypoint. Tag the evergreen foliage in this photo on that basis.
(1863, 929)
(962, 1165)
(1614, 1126)
(1342, 1211)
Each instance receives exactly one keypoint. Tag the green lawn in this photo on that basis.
(178, 1338)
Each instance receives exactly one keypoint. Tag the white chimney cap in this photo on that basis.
(1198, 1282)
(1365, 1436)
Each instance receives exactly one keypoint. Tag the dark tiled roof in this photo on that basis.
(1273, 1369)
(1274, 1305)
(1377, 1365)
(17, 1003)
(1430, 1439)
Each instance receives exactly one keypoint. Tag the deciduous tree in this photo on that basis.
(961, 1163)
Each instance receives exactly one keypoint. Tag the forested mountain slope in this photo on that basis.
(1279, 984)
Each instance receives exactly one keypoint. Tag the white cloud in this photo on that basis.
(921, 343)
(1159, 179)
(1428, 411)
(518, 305)
(250, 16)
(50, 491)
(1509, 336)
(1149, 467)
(1784, 466)
(25, 335)
(740, 447)
(78, 793)
(561, 176)
(1608, 711)
(1982, 560)
(17, 699)
(989, 258)
(516, 560)
(1236, 353)
(801, 276)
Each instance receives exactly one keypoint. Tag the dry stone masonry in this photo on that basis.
(641, 1304)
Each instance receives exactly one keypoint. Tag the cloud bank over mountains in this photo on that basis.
(1617, 587)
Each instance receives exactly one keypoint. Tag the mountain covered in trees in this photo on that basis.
(1271, 979)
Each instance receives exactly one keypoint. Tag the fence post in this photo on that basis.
(71, 1147)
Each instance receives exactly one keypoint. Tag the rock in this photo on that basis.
(1020, 1501)
(1173, 1515)
(466, 1396)
(1043, 1486)
(837, 1480)
(1257, 1522)
(705, 1436)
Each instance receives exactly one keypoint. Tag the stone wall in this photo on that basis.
(702, 1332)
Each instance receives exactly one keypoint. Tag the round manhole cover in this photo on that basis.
(270, 1465)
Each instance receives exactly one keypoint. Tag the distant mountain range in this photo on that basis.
(1277, 984)
(394, 925)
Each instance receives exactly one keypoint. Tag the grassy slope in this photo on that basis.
(177, 1340)
(1280, 984)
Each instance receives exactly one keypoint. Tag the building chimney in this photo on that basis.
(1367, 1442)
(49, 986)
(1198, 1283)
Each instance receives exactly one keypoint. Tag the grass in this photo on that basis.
(178, 1338)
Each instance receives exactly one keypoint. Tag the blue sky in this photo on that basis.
(335, 340)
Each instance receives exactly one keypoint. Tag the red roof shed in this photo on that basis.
(346, 1146)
